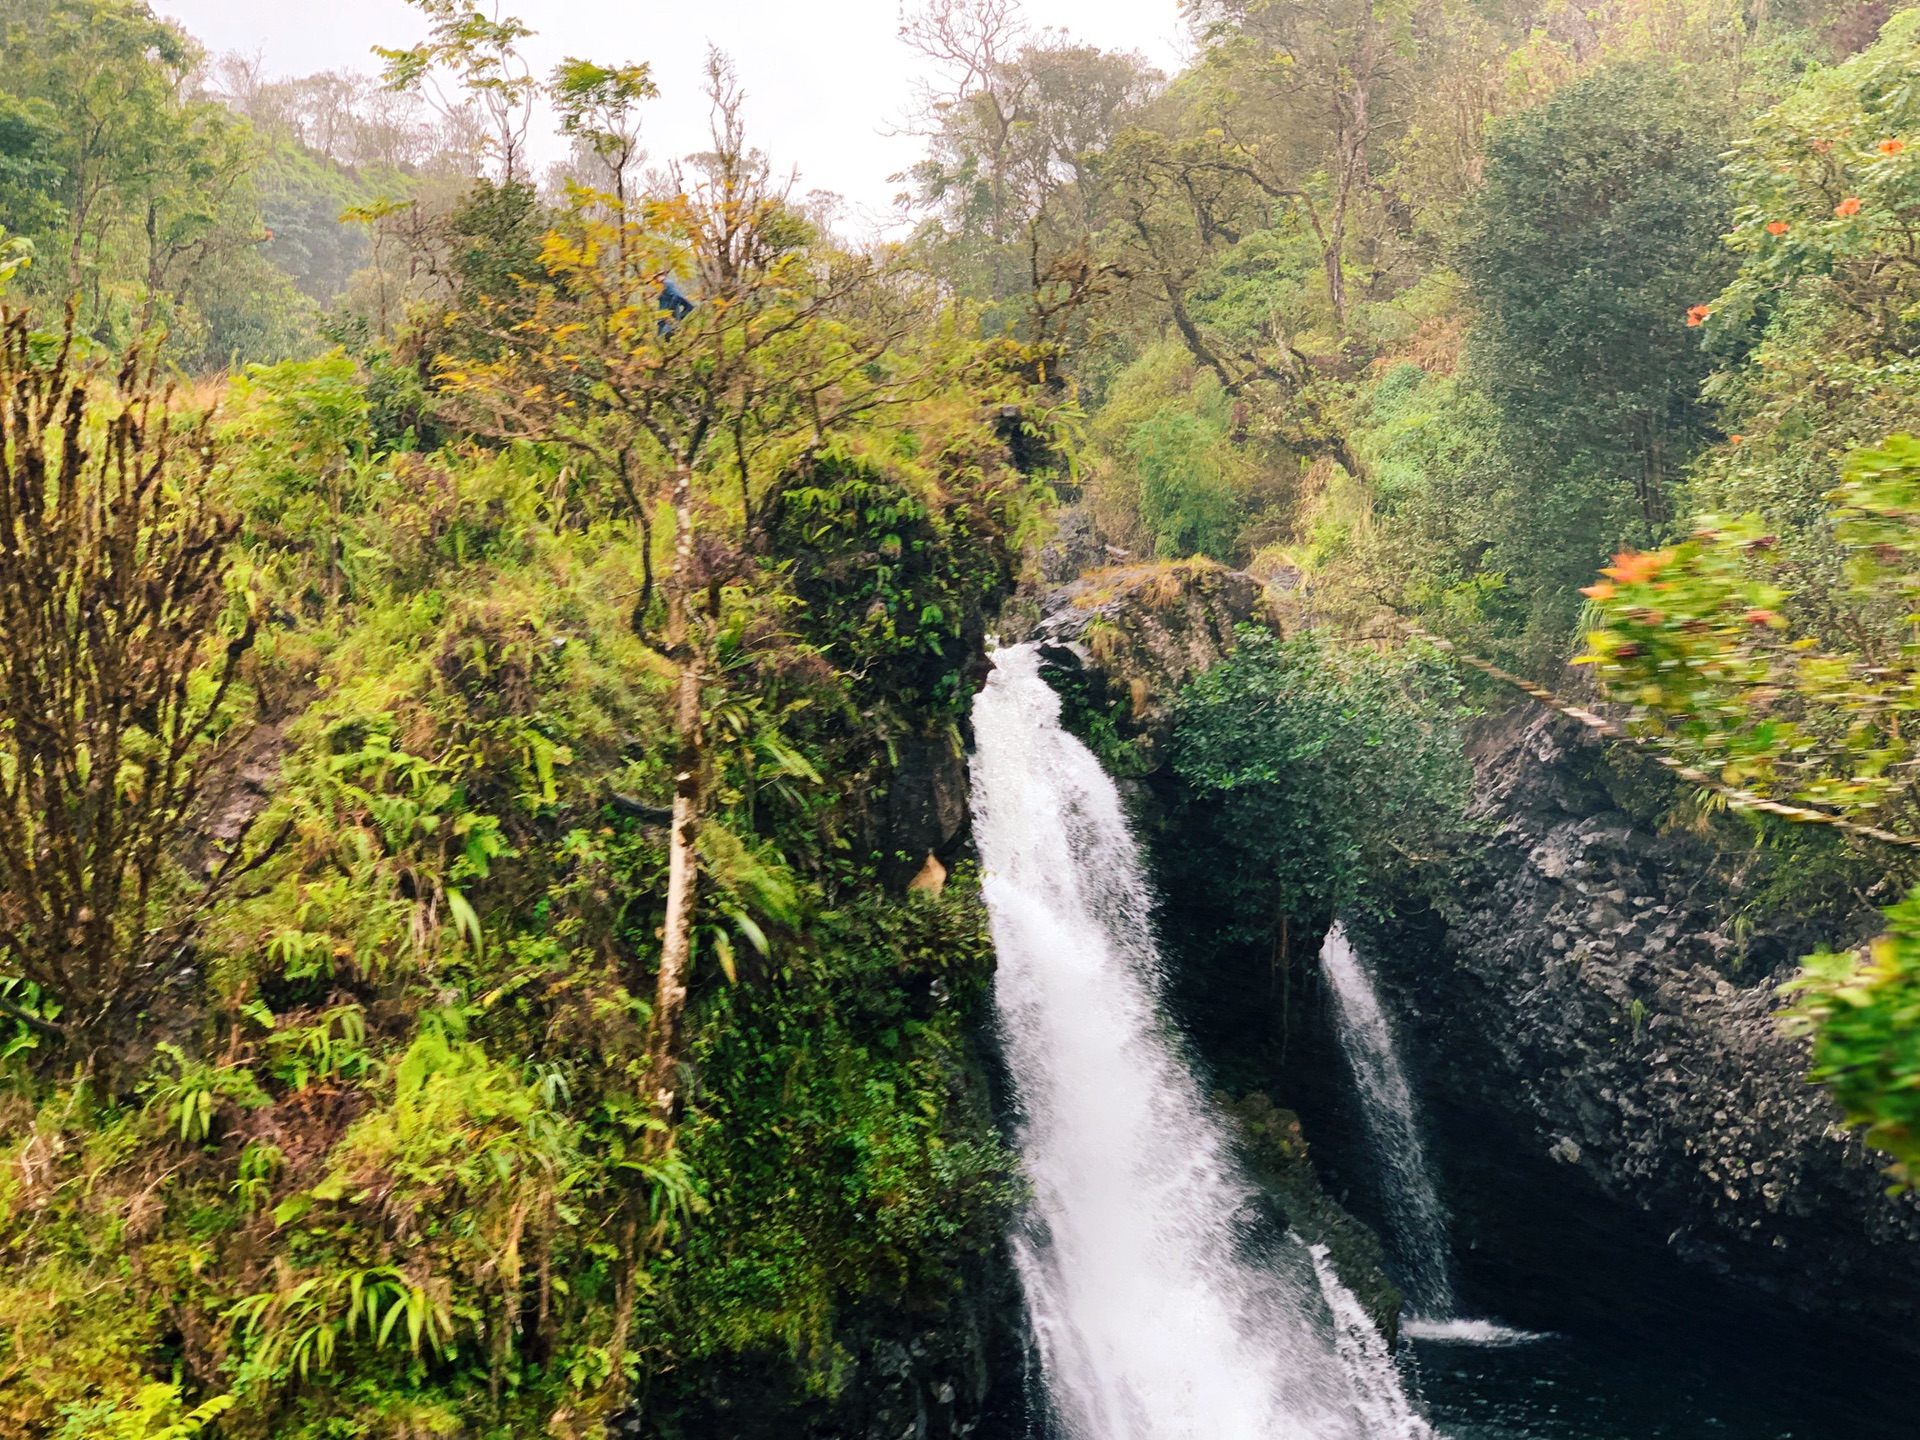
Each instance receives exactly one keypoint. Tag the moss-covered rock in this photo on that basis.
(1275, 1152)
(1122, 643)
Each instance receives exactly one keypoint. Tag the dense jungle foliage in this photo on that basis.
(486, 940)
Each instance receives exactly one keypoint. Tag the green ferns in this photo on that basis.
(384, 1162)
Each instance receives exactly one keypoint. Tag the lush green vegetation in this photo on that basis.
(1315, 773)
(1774, 646)
(384, 1143)
(1306, 779)
(452, 980)
(455, 965)
(137, 194)
(1427, 312)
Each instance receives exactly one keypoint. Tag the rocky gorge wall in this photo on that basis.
(1600, 996)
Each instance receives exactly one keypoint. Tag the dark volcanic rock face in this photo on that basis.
(1585, 995)
(955, 1370)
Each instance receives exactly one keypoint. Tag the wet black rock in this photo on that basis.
(1275, 1152)
(951, 1369)
(1585, 998)
(924, 811)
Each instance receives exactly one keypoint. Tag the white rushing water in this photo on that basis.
(1418, 1220)
(1159, 1310)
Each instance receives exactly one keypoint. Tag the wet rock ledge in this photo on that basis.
(1122, 643)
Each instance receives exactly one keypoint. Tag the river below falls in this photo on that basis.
(1660, 1354)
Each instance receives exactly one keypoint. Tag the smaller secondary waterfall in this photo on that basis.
(1417, 1218)
(1160, 1308)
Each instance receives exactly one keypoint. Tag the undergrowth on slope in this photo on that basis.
(375, 1162)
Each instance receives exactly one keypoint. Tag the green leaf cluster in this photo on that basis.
(1316, 770)
(1864, 1015)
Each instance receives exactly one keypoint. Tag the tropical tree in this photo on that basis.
(599, 110)
(477, 49)
(136, 187)
(668, 341)
(1015, 122)
(1707, 642)
(1597, 232)
(1828, 186)
(1313, 88)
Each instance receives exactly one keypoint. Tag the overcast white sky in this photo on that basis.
(824, 80)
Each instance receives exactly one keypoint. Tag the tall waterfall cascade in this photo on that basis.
(1417, 1219)
(1160, 1307)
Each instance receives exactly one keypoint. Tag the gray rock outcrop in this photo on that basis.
(1593, 986)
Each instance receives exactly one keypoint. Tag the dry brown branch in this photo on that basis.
(113, 677)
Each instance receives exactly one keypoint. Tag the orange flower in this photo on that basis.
(1821, 147)
(1848, 206)
(1698, 314)
(1635, 567)
(1777, 227)
(1736, 439)
(1892, 147)
(1602, 591)
(1758, 616)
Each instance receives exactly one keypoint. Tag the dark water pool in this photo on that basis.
(1558, 1387)
(1640, 1343)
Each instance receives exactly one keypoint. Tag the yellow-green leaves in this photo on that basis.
(1878, 519)
(156, 1412)
(1702, 641)
(193, 1095)
(16, 254)
(299, 1330)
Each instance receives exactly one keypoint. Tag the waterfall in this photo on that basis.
(1417, 1220)
(1378, 1394)
(1160, 1309)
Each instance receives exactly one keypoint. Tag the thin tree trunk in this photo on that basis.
(613, 1395)
(153, 268)
(670, 993)
(1355, 127)
(82, 213)
(1337, 276)
(638, 1238)
(676, 941)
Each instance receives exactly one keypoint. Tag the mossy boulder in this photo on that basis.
(1122, 643)
(1275, 1153)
